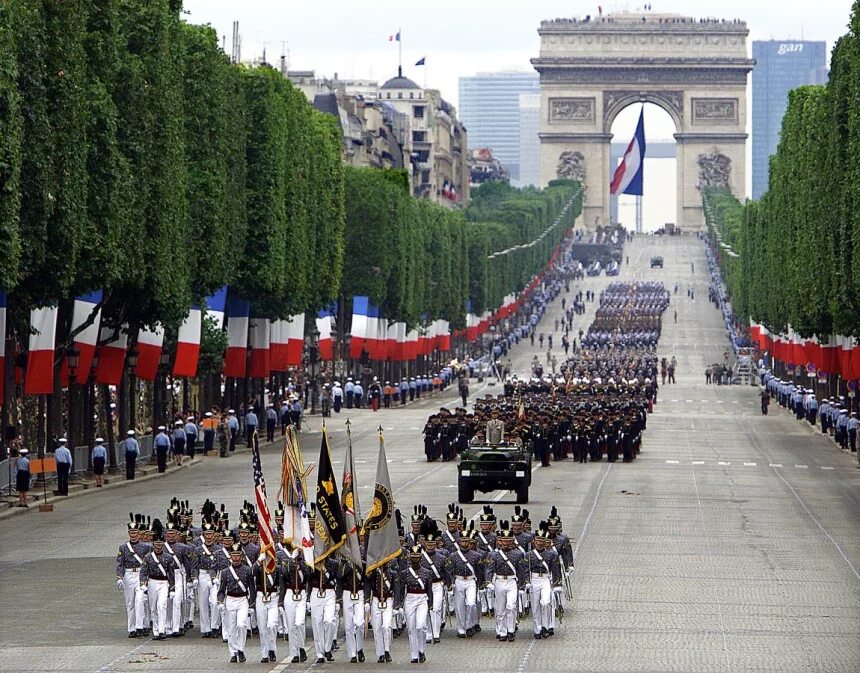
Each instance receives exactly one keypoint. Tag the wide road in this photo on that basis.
(732, 543)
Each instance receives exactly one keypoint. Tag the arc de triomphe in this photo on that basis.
(696, 70)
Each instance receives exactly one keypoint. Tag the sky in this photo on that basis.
(464, 37)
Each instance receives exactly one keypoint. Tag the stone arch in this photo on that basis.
(671, 102)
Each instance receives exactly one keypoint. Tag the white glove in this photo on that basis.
(119, 584)
(195, 582)
(171, 594)
(283, 613)
(221, 608)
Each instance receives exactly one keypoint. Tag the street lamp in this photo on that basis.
(131, 360)
(314, 358)
(72, 359)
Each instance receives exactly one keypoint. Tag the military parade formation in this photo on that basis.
(176, 572)
(597, 405)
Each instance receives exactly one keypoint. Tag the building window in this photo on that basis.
(412, 94)
(419, 136)
(388, 95)
(418, 111)
(400, 94)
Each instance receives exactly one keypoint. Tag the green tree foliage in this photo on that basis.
(799, 245)
(10, 154)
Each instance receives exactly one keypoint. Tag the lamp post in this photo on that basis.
(160, 389)
(131, 359)
(314, 358)
(72, 359)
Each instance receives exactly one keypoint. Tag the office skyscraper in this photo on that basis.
(781, 65)
(490, 109)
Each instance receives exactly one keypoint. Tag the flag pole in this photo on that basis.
(400, 52)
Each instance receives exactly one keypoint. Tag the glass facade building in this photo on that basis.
(781, 65)
(490, 108)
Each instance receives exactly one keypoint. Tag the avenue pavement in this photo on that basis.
(732, 543)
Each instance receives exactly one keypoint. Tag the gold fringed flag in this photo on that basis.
(330, 530)
(380, 526)
(294, 489)
(351, 550)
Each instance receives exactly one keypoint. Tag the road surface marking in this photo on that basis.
(673, 462)
(720, 462)
(750, 464)
(776, 464)
(698, 462)
(827, 468)
(802, 467)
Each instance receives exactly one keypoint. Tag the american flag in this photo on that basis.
(264, 517)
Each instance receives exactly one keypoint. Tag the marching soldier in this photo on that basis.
(560, 541)
(505, 566)
(209, 566)
(237, 591)
(268, 592)
(352, 592)
(323, 598)
(382, 586)
(293, 600)
(485, 541)
(157, 579)
(185, 561)
(433, 560)
(129, 560)
(545, 577)
(464, 566)
(418, 600)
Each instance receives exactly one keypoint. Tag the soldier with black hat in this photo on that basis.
(157, 579)
(505, 567)
(129, 560)
(293, 599)
(418, 600)
(545, 576)
(237, 591)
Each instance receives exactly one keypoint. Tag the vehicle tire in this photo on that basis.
(523, 494)
(465, 493)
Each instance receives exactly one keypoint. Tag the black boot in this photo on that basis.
(303, 655)
(361, 656)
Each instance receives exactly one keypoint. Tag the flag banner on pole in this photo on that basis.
(329, 530)
(259, 342)
(295, 339)
(420, 61)
(358, 333)
(85, 340)
(216, 304)
(188, 344)
(264, 518)
(297, 530)
(278, 345)
(351, 551)
(628, 176)
(324, 323)
(112, 355)
(383, 543)
(39, 379)
(235, 361)
(149, 344)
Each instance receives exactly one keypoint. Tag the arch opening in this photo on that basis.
(660, 178)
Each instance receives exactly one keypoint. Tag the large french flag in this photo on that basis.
(324, 320)
(443, 335)
(410, 347)
(149, 344)
(2, 344)
(259, 337)
(86, 340)
(376, 331)
(295, 339)
(216, 304)
(238, 323)
(40, 362)
(628, 175)
(111, 355)
(188, 344)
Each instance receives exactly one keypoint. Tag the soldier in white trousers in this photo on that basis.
(268, 588)
(292, 600)
(382, 588)
(129, 560)
(352, 595)
(237, 592)
(505, 563)
(323, 600)
(545, 574)
(158, 578)
(464, 566)
(208, 554)
(418, 600)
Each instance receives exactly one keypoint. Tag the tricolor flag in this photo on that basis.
(86, 340)
(394, 37)
(40, 361)
(259, 341)
(111, 355)
(359, 331)
(278, 340)
(351, 551)
(297, 530)
(149, 344)
(215, 306)
(2, 343)
(420, 61)
(295, 339)
(188, 344)
(628, 175)
(238, 319)
(324, 320)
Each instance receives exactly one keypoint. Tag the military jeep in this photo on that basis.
(490, 467)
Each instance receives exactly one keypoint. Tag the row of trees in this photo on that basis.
(137, 159)
(798, 247)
